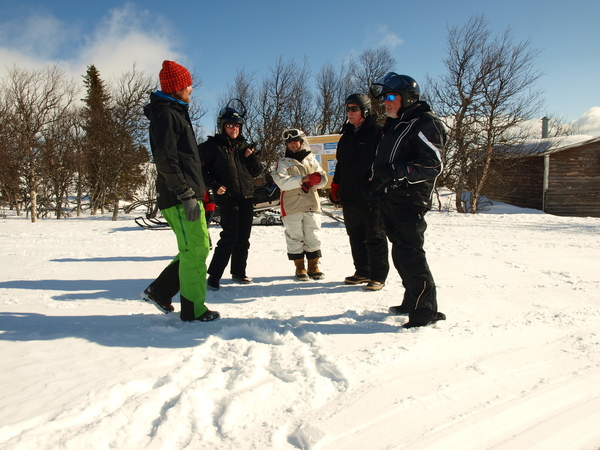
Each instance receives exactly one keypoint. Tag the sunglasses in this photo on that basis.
(296, 139)
(232, 125)
(291, 134)
(390, 97)
(352, 108)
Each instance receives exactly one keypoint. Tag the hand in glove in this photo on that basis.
(192, 209)
(386, 173)
(333, 194)
(375, 187)
(314, 178)
(305, 187)
(190, 205)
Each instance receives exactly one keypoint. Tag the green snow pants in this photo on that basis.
(193, 245)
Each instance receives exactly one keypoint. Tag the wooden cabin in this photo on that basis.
(559, 176)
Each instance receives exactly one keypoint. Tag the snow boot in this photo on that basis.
(356, 279)
(313, 269)
(301, 274)
(374, 286)
(208, 316)
(242, 279)
(412, 323)
(162, 305)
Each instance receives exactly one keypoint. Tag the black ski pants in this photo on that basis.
(368, 242)
(406, 232)
(234, 242)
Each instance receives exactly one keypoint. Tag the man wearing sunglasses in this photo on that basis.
(362, 217)
(407, 163)
(230, 166)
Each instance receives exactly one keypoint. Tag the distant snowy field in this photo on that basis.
(316, 365)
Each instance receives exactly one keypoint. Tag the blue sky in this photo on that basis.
(215, 39)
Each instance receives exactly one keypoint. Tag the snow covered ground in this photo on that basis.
(316, 365)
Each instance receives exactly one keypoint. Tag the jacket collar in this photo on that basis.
(161, 94)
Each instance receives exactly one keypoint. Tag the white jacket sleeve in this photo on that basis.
(281, 177)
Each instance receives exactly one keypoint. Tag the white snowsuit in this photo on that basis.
(301, 211)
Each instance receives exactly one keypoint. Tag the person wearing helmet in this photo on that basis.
(298, 174)
(349, 188)
(230, 166)
(407, 162)
(179, 186)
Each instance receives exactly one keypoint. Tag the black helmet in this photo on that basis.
(404, 85)
(361, 100)
(230, 115)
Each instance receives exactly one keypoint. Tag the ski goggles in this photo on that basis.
(390, 97)
(291, 135)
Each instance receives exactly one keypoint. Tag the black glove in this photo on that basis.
(253, 145)
(374, 188)
(305, 187)
(191, 208)
(190, 205)
(386, 173)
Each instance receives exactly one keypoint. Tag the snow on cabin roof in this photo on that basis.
(546, 146)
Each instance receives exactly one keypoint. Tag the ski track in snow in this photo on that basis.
(316, 365)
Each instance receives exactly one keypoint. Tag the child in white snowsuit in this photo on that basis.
(298, 174)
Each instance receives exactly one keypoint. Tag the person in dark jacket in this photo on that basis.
(362, 217)
(230, 166)
(180, 190)
(407, 163)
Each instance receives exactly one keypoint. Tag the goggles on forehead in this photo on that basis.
(290, 135)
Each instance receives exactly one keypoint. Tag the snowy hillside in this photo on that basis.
(316, 365)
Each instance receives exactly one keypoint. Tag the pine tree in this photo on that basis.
(99, 141)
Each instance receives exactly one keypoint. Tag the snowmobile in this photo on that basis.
(266, 210)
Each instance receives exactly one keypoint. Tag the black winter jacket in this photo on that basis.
(355, 155)
(226, 165)
(174, 150)
(412, 148)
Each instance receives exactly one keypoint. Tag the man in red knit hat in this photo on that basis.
(180, 190)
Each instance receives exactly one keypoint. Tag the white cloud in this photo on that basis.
(590, 121)
(388, 39)
(128, 35)
(125, 36)
(381, 36)
(38, 36)
(32, 42)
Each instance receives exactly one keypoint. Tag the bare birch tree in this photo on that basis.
(332, 89)
(59, 157)
(371, 65)
(10, 183)
(282, 102)
(486, 93)
(36, 99)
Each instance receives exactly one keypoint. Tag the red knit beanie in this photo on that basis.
(174, 77)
